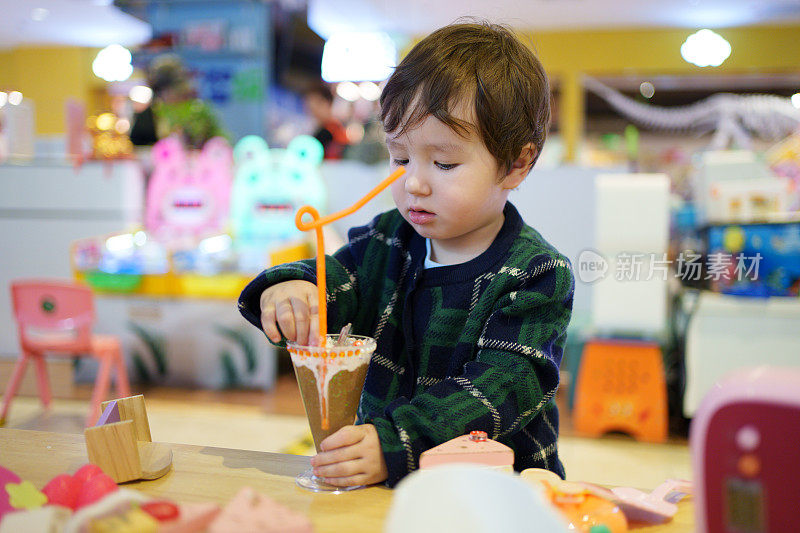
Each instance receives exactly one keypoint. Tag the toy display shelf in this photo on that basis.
(775, 245)
(226, 285)
(185, 284)
(783, 217)
(103, 281)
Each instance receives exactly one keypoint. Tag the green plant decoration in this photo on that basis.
(194, 120)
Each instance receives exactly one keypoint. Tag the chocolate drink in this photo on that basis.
(331, 385)
(344, 392)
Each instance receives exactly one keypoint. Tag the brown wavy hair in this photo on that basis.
(480, 63)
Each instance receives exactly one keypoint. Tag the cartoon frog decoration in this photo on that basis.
(269, 186)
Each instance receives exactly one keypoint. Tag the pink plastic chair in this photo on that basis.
(55, 318)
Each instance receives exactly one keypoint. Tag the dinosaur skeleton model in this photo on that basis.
(732, 117)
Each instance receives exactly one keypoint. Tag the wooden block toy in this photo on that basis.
(474, 448)
(155, 458)
(110, 413)
(121, 444)
(113, 448)
(133, 408)
(47, 519)
(249, 511)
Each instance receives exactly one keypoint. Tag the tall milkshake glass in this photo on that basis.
(330, 375)
(331, 378)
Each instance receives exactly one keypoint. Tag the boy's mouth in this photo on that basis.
(420, 216)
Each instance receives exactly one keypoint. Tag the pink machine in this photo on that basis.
(745, 445)
(189, 193)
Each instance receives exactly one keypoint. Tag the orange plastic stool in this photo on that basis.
(55, 317)
(621, 387)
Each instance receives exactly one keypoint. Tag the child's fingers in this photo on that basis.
(347, 436)
(285, 315)
(313, 331)
(313, 328)
(340, 469)
(339, 455)
(350, 481)
(268, 323)
(302, 319)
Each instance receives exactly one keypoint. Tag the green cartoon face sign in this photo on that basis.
(270, 185)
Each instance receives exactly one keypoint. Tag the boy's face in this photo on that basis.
(451, 192)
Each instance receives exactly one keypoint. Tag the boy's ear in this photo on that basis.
(520, 167)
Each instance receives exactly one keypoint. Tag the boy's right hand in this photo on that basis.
(291, 306)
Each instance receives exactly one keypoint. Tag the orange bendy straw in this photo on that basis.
(316, 224)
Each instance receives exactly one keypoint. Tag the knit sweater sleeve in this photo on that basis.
(510, 382)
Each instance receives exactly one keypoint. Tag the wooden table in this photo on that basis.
(204, 473)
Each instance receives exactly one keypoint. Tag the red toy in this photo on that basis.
(161, 510)
(62, 490)
(88, 485)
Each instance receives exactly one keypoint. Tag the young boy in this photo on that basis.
(468, 305)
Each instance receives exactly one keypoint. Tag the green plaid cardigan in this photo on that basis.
(474, 346)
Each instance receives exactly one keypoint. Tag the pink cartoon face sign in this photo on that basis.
(188, 193)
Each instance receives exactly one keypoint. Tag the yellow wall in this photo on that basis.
(607, 52)
(48, 76)
(566, 55)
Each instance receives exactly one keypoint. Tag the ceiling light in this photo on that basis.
(122, 126)
(355, 132)
(647, 89)
(113, 63)
(3, 98)
(141, 94)
(796, 100)
(106, 121)
(369, 90)
(348, 90)
(705, 48)
(15, 98)
(39, 13)
(358, 56)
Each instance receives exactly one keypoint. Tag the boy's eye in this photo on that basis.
(401, 162)
(446, 166)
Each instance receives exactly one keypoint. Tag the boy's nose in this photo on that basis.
(416, 184)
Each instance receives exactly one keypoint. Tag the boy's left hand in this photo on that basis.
(351, 456)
